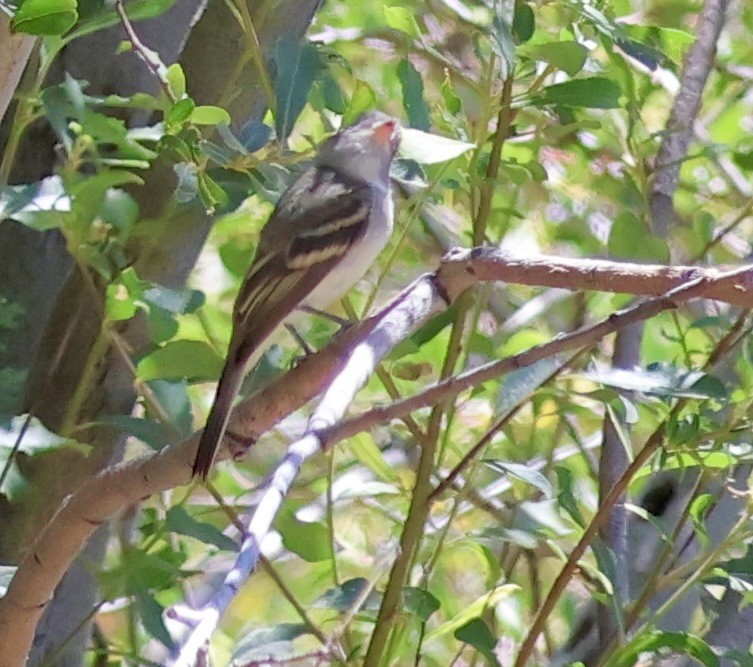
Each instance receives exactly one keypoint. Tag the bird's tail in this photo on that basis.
(229, 385)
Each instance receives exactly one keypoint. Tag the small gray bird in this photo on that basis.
(324, 234)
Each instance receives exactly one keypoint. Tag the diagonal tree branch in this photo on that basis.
(120, 485)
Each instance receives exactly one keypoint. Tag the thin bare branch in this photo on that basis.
(674, 148)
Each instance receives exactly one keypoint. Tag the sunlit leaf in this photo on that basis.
(699, 509)
(524, 473)
(194, 360)
(680, 643)
(209, 115)
(309, 539)
(176, 78)
(661, 380)
(473, 610)
(45, 17)
(427, 148)
(365, 450)
(362, 99)
(402, 19)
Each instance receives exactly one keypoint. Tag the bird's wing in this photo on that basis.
(288, 266)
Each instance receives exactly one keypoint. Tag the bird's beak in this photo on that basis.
(388, 134)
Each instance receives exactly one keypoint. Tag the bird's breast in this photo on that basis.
(359, 257)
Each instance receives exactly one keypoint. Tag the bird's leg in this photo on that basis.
(342, 322)
(299, 339)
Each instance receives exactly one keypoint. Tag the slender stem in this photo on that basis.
(504, 120)
(255, 52)
(602, 514)
(412, 533)
(150, 57)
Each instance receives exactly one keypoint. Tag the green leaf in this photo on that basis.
(209, 115)
(419, 602)
(524, 23)
(362, 99)
(344, 596)
(211, 192)
(699, 509)
(150, 612)
(45, 17)
(176, 79)
(297, 67)
(172, 397)
(569, 56)
(685, 461)
(413, 95)
(500, 34)
(477, 633)
(661, 380)
(41, 206)
(365, 450)
(120, 210)
(163, 326)
(188, 182)
(233, 146)
(308, 539)
(194, 360)
(150, 431)
(681, 643)
(255, 135)
(631, 239)
(451, 100)
(178, 302)
(180, 112)
(594, 93)
(524, 473)
(518, 385)
(565, 496)
(256, 644)
(333, 95)
(179, 521)
(136, 10)
(402, 19)
(493, 537)
(427, 148)
(473, 610)
(138, 570)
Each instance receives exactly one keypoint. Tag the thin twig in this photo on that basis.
(150, 57)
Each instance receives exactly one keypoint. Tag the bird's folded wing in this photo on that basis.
(293, 260)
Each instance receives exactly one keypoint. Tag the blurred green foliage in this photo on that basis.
(573, 98)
